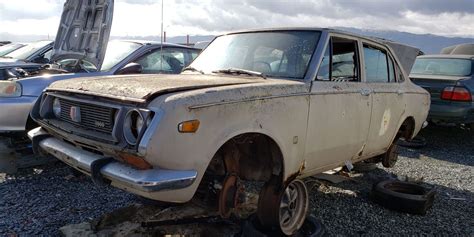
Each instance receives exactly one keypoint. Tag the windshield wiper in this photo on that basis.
(240, 71)
(192, 69)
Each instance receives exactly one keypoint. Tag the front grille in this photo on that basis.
(94, 117)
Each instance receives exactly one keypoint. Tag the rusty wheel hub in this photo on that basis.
(229, 195)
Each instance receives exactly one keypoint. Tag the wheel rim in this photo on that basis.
(293, 207)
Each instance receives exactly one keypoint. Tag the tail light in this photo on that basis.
(456, 94)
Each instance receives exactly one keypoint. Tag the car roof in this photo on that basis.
(330, 30)
(151, 42)
(456, 56)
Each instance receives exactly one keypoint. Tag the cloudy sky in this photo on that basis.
(142, 17)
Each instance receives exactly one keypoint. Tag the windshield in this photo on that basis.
(6, 49)
(116, 52)
(442, 66)
(25, 52)
(283, 54)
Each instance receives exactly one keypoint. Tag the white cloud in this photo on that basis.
(143, 17)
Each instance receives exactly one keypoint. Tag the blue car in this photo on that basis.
(450, 80)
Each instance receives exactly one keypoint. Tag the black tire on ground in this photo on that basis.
(403, 196)
(416, 142)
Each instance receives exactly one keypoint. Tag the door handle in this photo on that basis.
(399, 92)
(365, 92)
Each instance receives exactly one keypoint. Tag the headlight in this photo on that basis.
(57, 108)
(132, 126)
(10, 89)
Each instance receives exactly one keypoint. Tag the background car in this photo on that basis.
(26, 60)
(6, 49)
(122, 57)
(450, 80)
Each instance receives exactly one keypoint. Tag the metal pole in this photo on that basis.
(162, 35)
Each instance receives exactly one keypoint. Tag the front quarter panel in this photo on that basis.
(278, 111)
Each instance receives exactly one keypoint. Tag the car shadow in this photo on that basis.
(347, 209)
(452, 144)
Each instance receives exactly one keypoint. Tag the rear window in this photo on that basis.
(442, 66)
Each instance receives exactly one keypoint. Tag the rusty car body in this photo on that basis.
(272, 105)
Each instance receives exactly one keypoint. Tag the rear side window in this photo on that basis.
(376, 65)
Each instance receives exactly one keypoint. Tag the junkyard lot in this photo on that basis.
(41, 200)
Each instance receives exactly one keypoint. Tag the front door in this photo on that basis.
(340, 107)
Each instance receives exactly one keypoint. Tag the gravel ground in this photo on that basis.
(41, 200)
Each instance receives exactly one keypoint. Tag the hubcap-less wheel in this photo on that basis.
(285, 209)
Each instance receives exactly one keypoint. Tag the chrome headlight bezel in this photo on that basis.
(131, 132)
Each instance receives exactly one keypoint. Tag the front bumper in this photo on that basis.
(14, 113)
(452, 113)
(121, 175)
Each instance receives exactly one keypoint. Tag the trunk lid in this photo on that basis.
(84, 31)
(140, 88)
(435, 84)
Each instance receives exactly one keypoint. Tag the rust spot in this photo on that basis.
(290, 179)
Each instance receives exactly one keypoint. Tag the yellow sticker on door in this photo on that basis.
(385, 122)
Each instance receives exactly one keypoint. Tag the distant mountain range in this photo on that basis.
(428, 43)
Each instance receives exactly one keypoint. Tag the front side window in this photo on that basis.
(340, 61)
(442, 66)
(280, 54)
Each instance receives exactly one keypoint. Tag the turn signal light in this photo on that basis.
(456, 94)
(135, 161)
(188, 126)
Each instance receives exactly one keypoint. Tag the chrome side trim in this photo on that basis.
(245, 100)
(152, 180)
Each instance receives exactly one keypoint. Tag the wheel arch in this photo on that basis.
(407, 128)
(260, 155)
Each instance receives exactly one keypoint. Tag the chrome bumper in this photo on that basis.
(152, 180)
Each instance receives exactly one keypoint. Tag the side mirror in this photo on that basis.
(131, 68)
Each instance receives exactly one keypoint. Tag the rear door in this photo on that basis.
(84, 31)
(387, 96)
(340, 107)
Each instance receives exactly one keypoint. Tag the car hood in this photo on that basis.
(84, 31)
(9, 63)
(140, 88)
(8, 60)
(34, 86)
